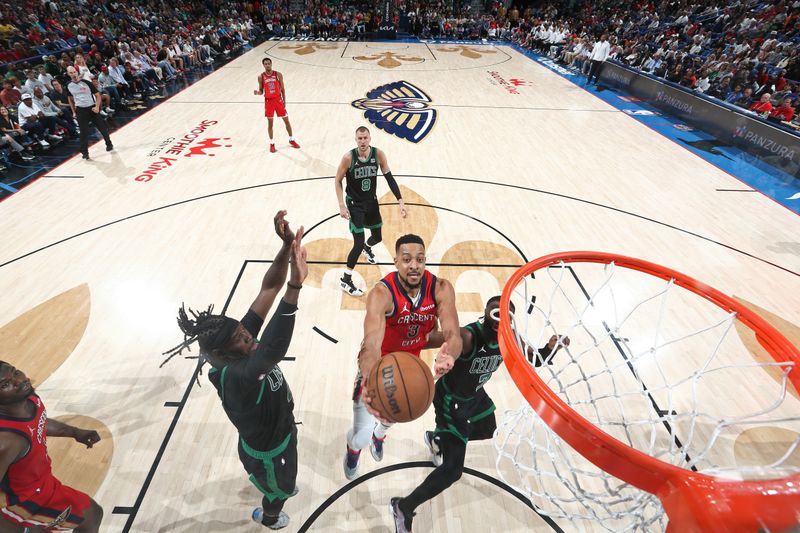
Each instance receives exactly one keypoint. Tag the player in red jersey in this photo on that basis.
(270, 84)
(402, 309)
(30, 496)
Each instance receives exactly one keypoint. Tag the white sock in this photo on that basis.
(380, 430)
(348, 271)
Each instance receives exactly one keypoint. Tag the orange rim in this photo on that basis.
(608, 453)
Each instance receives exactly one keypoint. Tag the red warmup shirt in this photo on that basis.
(408, 325)
(761, 107)
(783, 113)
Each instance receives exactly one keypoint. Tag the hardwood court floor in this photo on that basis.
(94, 267)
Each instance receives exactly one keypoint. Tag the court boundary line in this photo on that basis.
(419, 176)
(528, 53)
(306, 526)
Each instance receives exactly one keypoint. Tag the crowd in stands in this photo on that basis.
(742, 52)
(129, 51)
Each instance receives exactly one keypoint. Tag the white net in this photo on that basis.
(655, 366)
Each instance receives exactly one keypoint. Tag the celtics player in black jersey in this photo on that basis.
(464, 411)
(250, 384)
(360, 206)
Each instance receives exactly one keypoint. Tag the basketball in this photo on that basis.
(401, 387)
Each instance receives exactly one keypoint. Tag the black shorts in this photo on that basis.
(364, 215)
(273, 472)
(465, 418)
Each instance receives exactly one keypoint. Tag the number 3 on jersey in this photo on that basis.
(413, 330)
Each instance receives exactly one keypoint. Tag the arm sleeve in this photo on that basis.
(274, 341)
(393, 185)
(540, 357)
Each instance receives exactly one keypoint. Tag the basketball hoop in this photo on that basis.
(644, 413)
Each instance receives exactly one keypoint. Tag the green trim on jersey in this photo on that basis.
(261, 392)
(481, 416)
(451, 428)
(272, 491)
(222, 383)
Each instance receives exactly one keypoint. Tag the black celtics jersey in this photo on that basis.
(259, 404)
(472, 370)
(362, 176)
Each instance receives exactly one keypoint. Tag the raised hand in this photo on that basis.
(444, 362)
(282, 228)
(554, 341)
(299, 267)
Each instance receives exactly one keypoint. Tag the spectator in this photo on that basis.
(52, 111)
(14, 136)
(9, 96)
(746, 100)
(109, 87)
(52, 67)
(45, 78)
(60, 98)
(599, 54)
(32, 82)
(689, 79)
(703, 83)
(763, 107)
(734, 95)
(784, 112)
(35, 123)
(721, 90)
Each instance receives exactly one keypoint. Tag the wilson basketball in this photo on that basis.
(401, 387)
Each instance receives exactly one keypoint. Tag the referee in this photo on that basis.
(86, 109)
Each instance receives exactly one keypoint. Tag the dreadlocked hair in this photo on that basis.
(207, 329)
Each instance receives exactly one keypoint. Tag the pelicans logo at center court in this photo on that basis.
(400, 109)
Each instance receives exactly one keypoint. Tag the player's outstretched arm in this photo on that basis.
(277, 335)
(87, 437)
(545, 354)
(436, 339)
(448, 316)
(379, 302)
(448, 321)
(446, 358)
(344, 164)
(275, 277)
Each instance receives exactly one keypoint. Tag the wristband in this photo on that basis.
(293, 286)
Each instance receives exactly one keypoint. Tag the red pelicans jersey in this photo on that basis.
(25, 475)
(29, 494)
(408, 325)
(271, 85)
